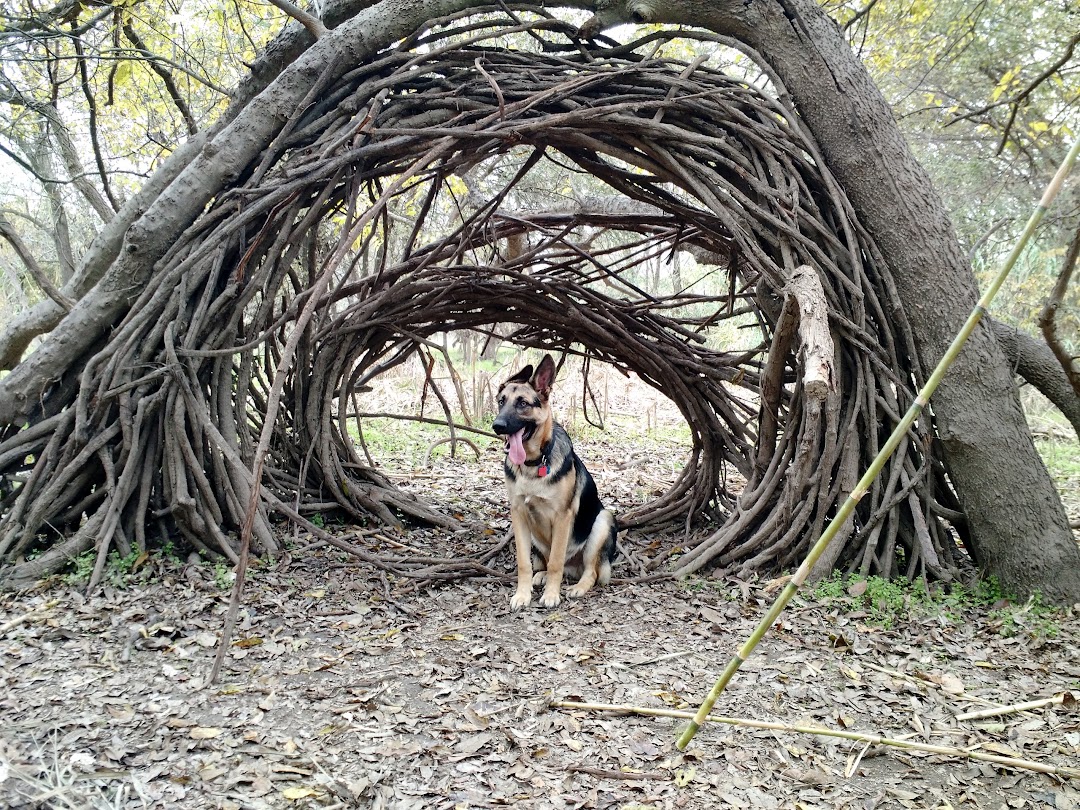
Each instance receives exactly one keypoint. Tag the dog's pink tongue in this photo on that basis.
(515, 448)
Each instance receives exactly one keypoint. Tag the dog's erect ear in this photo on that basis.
(544, 376)
(522, 376)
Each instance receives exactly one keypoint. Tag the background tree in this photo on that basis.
(92, 100)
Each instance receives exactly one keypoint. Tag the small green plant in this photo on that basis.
(721, 588)
(125, 564)
(169, 551)
(223, 575)
(118, 569)
(989, 591)
(81, 569)
(318, 520)
(830, 589)
(884, 601)
(887, 602)
(1035, 619)
(694, 584)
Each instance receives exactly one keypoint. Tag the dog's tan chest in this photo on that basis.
(536, 505)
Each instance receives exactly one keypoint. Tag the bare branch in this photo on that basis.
(311, 23)
(1016, 100)
(1048, 315)
(165, 76)
(36, 272)
(91, 106)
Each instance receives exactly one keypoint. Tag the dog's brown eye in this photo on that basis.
(502, 401)
(522, 402)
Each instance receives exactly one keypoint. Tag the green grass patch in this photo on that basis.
(402, 445)
(1056, 442)
(886, 603)
(119, 570)
(1062, 459)
(224, 575)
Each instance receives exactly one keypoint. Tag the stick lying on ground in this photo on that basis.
(1064, 698)
(943, 750)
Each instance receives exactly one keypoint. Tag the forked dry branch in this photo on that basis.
(365, 213)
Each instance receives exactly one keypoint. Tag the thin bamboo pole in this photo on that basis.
(857, 736)
(878, 463)
(997, 711)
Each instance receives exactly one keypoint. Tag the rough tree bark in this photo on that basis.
(1019, 530)
(1018, 527)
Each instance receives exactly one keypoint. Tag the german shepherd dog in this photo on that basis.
(554, 507)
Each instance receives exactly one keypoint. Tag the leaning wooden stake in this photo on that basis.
(894, 440)
(874, 739)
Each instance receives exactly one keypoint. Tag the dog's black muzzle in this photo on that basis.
(509, 424)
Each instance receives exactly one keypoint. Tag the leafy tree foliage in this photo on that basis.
(988, 98)
(990, 101)
(92, 96)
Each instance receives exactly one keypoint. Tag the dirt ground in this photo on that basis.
(345, 689)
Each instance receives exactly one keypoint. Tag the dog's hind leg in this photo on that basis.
(596, 564)
(540, 576)
(608, 551)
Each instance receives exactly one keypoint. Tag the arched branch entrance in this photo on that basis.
(439, 187)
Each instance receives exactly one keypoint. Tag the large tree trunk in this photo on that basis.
(1019, 530)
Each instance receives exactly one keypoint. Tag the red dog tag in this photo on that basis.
(541, 471)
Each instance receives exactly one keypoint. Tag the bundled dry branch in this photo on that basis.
(155, 431)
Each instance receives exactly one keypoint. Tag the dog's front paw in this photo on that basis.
(550, 600)
(520, 600)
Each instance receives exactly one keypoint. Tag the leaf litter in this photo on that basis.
(339, 693)
(344, 687)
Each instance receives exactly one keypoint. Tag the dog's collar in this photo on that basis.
(542, 462)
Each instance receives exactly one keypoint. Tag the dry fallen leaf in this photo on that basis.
(952, 684)
(857, 588)
(684, 776)
(296, 793)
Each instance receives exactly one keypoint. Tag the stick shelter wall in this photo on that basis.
(414, 197)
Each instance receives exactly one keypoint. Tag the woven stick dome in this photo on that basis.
(414, 197)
